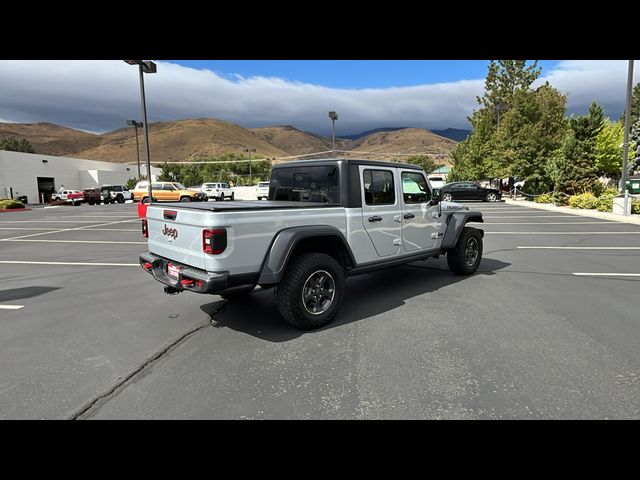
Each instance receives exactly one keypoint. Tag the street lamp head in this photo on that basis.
(333, 115)
(149, 67)
(133, 62)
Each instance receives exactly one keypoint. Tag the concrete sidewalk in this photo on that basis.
(576, 211)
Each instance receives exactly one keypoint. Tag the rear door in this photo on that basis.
(419, 219)
(176, 235)
(381, 209)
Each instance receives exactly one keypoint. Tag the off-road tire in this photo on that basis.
(289, 291)
(120, 199)
(458, 257)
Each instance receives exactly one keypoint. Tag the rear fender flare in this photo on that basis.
(284, 243)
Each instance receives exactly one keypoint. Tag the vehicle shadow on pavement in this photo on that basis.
(365, 296)
(24, 292)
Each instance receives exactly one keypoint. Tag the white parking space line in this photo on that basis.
(31, 228)
(139, 230)
(548, 223)
(562, 233)
(39, 240)
(577, 248)
(11, 307)
(55, 221)
(65, 230)
(84, 264)
(586, 274)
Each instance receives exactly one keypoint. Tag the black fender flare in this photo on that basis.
(283, 244)
(455, 223)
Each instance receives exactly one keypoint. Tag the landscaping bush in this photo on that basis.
(559, 199)
(7, 203)
(635, 207)
(605, 201)
(584, 200)
(544, 198)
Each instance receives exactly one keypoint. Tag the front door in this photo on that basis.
(420, 222)
(381, 209)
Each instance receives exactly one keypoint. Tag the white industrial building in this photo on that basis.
(37, 176)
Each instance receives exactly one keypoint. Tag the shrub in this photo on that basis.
(584, 200)
(559, 198)
(605, 201)
(544, 198)
(635, 206)
(7, 203)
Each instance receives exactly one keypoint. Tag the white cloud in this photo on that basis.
(102, 95)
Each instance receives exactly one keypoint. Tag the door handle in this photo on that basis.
(375, 218)
(407, 216)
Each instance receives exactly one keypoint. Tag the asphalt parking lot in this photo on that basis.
(548, 328)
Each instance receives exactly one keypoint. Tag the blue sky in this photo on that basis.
(353, 73)
(101, 95)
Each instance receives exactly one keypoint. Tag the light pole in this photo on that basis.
(625, 148)
(250, 150)
(333, 116)
(145, 67)
(136, 125)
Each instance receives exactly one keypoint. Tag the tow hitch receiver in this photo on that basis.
(171, 291)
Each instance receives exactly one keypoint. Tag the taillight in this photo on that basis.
(145, 228)
(214, 241)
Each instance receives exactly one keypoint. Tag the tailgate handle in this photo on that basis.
(170, 214)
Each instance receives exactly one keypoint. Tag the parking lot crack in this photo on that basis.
(94, 405)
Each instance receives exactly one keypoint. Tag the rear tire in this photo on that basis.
(92, 201)
(185, 199)
(491, 197)
(465, 258)
(447, 197)
(311, 291)
(120, 199)
(233, 195)
(222, 197)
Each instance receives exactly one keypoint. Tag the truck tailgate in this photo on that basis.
(176, 234)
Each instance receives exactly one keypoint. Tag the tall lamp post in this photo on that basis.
(136, 125)
(250, 150)
(625, 147)
(333, 116)
(145, 67)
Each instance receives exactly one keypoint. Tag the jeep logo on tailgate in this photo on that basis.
(170, 232)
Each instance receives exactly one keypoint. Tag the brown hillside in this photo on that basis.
(180, 140)
(408, 140)
(297, 142)
(50, 139)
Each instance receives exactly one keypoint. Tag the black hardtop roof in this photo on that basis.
(351, 161)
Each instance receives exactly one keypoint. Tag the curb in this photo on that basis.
(635, 219)
(14, 209)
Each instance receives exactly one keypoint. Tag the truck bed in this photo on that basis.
(241, 205)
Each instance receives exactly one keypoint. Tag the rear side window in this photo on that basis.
(378, 187)
(308, 184)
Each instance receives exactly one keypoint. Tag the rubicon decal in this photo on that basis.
(170, 232)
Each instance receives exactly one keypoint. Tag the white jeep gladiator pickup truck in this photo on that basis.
(324, 220)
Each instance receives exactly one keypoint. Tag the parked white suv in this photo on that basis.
(262, 190)
(217, 191)
(115, 193)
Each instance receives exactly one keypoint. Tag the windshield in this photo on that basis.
(305, 184)
(209, 185)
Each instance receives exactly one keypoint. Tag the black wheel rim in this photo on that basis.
(318, 292)
(471, 252)
(446, 197)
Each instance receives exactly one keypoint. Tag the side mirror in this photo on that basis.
(435, 197)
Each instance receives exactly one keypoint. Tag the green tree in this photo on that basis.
(608, 148)
(426, 162)
(505, 78)
(532, 129)
(634, 148)
(12, 144)
(635, 106)
(573, 166)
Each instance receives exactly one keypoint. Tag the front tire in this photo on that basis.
(222, 197)
(311, 291)
(447, 197)
(92, 201)
(491, 197)
(465, 258)
(120, 199)
(185, 199)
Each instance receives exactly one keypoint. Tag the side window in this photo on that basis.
(168, 186)
(414, 188)
(156, 186)
(378, 187)
(117, 188)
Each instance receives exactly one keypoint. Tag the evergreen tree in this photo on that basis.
(12, 144)
(635, 106)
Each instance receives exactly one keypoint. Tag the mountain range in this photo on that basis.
(181, 140)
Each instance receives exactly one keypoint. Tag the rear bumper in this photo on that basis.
(189, 278)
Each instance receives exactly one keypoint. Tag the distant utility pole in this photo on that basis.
(250, 150)
(333, 116)
(627, 120)
(500, 107)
